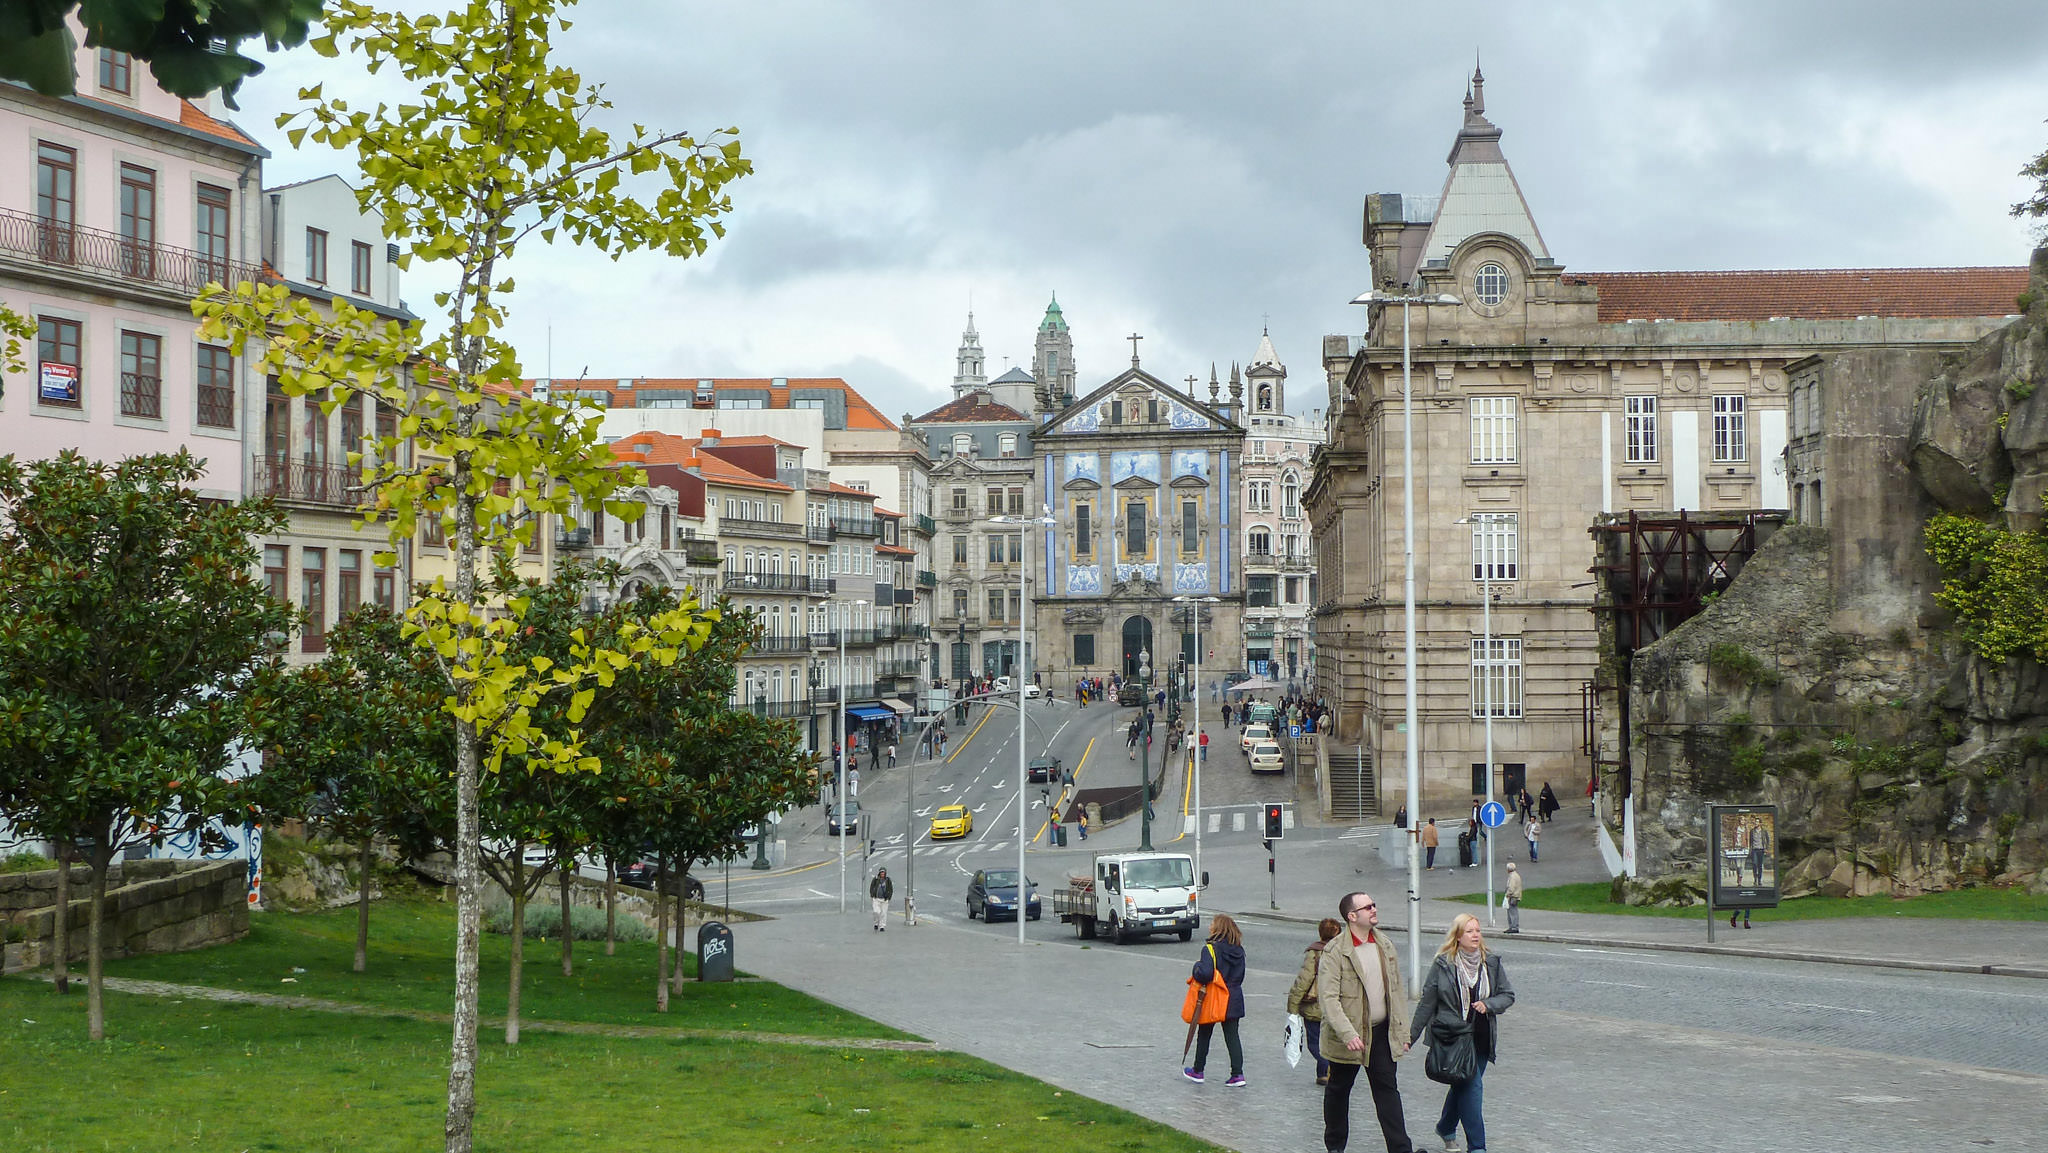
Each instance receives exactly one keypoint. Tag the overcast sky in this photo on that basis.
(1186, 170)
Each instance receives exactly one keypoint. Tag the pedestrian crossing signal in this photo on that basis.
(1274, 822)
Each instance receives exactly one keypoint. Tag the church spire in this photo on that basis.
(968, 373)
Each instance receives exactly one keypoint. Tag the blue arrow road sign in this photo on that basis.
(1493, 814)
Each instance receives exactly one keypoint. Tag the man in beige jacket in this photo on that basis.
(1365, 1023)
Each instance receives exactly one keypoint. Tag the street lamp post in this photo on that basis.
(1195, 625)
(1145, 762)
(1484, 523)
(1030, 525)
(1414, 784)
(845, 764)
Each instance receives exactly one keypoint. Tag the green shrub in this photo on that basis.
(25, 862)
(1731, 659)
(544, 919)
(1746, 767)
(1806, 762)
(2020, 389)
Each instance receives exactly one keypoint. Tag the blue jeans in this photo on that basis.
(1315, 1046)
(1461, 1106)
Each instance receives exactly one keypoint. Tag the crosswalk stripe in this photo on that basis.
(1237, 822)
(1215, 822)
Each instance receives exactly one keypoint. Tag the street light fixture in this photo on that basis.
(1044, 519)
(1195, 624)
(1369, 298)
(1484, 522)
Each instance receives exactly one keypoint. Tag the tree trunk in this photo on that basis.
(661, 938)
(95, 1000)
(682, 904)
(611, 905)
(363, 912)
(518, 941)
(459, 1131)
(568, 935)
(60, 969)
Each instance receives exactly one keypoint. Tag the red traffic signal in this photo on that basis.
(1275, 822)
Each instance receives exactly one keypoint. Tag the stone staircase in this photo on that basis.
(1354, 789)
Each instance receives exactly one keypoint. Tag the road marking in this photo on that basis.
(1618, 984)
(1215, 822)
(1872, 1099)
(1359, 831)
(1237, 822)
(1831, 1008)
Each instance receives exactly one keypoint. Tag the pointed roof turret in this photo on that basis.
(1265, 357)
(1480, 193)
(1054, 321)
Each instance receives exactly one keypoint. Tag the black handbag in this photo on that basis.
(1453, 1056)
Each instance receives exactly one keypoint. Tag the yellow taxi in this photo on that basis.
(951, 821)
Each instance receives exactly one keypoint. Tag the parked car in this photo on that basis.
(1252, 735)
(1042, 770)
(1130, 693)
(1002, 685)
(952, 821)
(992, 895)
(640, 875)
(848, 814)
(1032, 692)
(1267, 758)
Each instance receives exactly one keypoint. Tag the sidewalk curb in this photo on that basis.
(1990, 970)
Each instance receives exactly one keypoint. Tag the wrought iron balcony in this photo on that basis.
(926, 579)
(795, 644)
(820, 532)
(305, 482)
(703, 553)
(176, 271)
(897, 670)
(767, 582)
(1294, 564)
(747, 527)
(572, 538)
(781, 708)
(856, 526)
(926, 525)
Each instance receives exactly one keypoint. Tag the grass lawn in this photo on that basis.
(190, 1074)
(1963, 904)
(412, 966)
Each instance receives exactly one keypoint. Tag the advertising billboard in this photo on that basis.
(1742, 842)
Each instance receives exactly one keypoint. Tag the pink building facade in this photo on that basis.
(116, 207)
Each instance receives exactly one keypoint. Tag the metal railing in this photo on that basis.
(781, 708)
(795, 644)
(892, 670)
(927, 579)
(819, 532)
(216, 406)
(856, 526)
(1294, 563)
(749, 527)
(698, 552)
(576, 538)
(305, 481)
(142, 395)
(767, 581)
(180, 270)
(926, 525)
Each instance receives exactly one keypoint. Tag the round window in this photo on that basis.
(1491, 284)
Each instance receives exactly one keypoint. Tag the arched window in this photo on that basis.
(1265, 398)
(963, 443)
(1290, 495)
(1490, 284)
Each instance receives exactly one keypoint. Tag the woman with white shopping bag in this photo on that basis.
(1302, 1003)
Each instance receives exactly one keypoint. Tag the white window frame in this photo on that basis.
(1731, 429)
(1506, 530)
(1006, 444)
(1640, 419)
(1490, 283)
(1504, 666)
(1494, 432)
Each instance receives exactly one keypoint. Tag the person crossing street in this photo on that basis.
(879, 891)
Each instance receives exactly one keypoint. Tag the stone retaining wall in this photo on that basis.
(152, 907)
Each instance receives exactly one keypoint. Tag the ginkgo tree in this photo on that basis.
(494, 144)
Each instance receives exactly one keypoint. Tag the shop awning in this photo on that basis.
(903, 708)
(870, 713)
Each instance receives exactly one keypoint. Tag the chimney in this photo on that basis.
(708, 437)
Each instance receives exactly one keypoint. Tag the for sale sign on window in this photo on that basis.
(59, 383)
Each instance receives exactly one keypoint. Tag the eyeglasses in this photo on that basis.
(1364, 907)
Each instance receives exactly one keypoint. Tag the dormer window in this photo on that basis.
(963, 443)
(1490, 284)
(1007, 444)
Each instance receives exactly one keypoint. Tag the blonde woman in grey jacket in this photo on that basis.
(1466, 987)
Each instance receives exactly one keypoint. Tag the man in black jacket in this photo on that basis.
(879, 891)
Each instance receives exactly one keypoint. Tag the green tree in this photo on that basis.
(495, 144)
(356, 745)
(2035, 205)
(191, 45)
(130, 625)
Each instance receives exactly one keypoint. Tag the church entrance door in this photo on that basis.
(1137, 641)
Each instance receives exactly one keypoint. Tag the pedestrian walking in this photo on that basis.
(1465, 993)
(1365, 1024)
(892, 755)
(1514, 899)
(879, 891)
(1226, 717)
(1525, 806)
(1223, 954)
(1205, 744)
(1302, 999)
(1534, 832)
(1430, 837)
(1084, 824)
(1546, 803)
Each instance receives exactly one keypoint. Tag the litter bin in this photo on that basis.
(1464, 851)
(1059, 836)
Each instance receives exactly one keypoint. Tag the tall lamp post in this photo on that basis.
(1195, 746)
(1145, 762)
(845, 764)
(1485, 524)
(1030, 525)
(1369, 298)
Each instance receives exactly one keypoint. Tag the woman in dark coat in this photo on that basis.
(1226, 947)
(1466, 988)
(1546, 803)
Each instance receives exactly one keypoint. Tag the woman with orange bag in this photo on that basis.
(1222, 956)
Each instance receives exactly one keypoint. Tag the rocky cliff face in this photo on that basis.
(1901, 761)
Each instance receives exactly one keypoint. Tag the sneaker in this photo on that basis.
(1451, 1144)
(1194, 1075)
(1236, 1081)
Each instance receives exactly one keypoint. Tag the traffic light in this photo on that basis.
(1275, 828)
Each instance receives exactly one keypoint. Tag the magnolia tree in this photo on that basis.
(495, 143)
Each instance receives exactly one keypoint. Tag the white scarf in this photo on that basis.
(1472, 982)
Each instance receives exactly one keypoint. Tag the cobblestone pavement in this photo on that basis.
(1104, 1021)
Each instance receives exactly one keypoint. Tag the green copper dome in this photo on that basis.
(1053, 321)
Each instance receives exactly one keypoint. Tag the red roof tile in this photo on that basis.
(837, 489)
(860, 413)
(190, 116)
(681, 451)
(977, 406)
(1806, 293)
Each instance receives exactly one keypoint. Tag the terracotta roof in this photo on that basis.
(1806, 293)
(837, 489)
(975, 407)
(681, 451)
(718, 470)
(190, 116)
(895, 550)
(752, 441)
(887, 513)
(860, 414)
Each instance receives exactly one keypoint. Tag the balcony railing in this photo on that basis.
(795, 644)
(1294, 564)
(926, 579)
(819, 532)
(856, 526)
(959, 514)
(703, 553)
(748, 527)
(780, 708)
(768, 582)
(572, 538)
(178, 270)
(305, 481)
(142, 395)
(829, 694)
(893, 670)
(926, 525)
